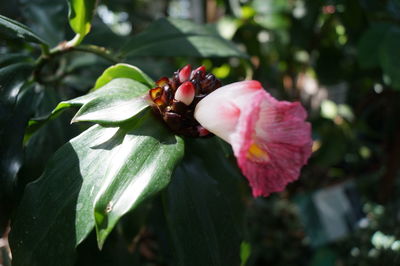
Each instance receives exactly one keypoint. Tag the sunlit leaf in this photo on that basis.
(141, 169)
(56, 212)
(123, 71)
(80, 15)
(119, 90)
(111, 109)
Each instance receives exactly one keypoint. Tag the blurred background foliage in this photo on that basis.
(340, 58)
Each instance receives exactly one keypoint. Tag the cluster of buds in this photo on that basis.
(175, 99)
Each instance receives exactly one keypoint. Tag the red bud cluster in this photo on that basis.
(176, 98)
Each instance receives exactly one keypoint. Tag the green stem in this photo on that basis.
(64, 48)
(97, 50)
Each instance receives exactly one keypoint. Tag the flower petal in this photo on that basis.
(220, 110)
(270, 139)
(279, 131)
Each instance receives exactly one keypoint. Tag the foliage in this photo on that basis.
(119, 180)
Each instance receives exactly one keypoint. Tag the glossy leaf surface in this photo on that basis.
(123, 71)
(48, 18)
(111, 94)
(56, 212)
(15, 110)
(142, 168)
(11, 29)
(125, 101)
(80, 15)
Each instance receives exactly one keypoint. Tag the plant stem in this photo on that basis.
(64, 48)
(97, 50)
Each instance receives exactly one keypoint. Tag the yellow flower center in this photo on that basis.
(256, 153)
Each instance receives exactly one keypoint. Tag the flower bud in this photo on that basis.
(185, 93)
(184, 73)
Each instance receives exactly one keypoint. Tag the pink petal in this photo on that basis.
(270, 139)
(220, 110)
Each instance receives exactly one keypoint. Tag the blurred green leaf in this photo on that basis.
(177, 37)
(56, 211)
(274, 21)
(389, 56)
(11, 29)
(143, 168)
(203, 207)
(80, 16)
(245, 252)
(370, 43)
(8, 59)
(123, 71)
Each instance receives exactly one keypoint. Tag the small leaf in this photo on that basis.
(123, 71)
(80, 16)
(245, 252)
(56, 211)
(177, 37)
(11, 29)
(142, 169)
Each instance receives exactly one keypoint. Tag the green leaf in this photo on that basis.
(142, 169)
(48, 139)
(370, 43)
(8, 59)
(80, 16)
(56, 211)
(245, 252)
(112, 94)
(123, 71)
(113, 109)
(177, 37)
(203, 207)
(11, 29)
(16, 104)
(389, 56)
(47, 18)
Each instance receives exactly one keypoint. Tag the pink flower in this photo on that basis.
(270, 139)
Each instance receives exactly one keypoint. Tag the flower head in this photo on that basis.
(270, 138)
(174, 99)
